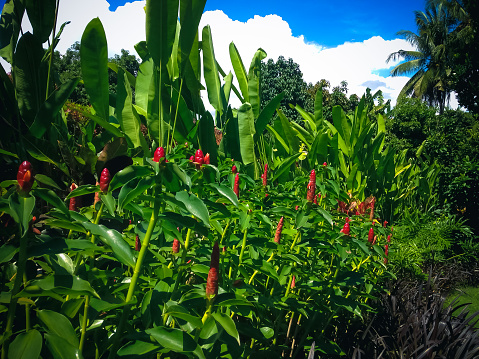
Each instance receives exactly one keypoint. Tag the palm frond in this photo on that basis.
(405, 55)
(408, 88)
(407, 68)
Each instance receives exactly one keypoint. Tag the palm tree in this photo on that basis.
(429, 61)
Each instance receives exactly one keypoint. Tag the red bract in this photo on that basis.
(264, 176)
(206, 160)
(234, 170)
(97, 196)
(25, 176)
(199, 158)
(212, 281)
(371, 235)
(311, 186)
(105, 180)
(386, 253)
(176, 246)
(159, 154)
(137, 243)
(385, 224)
(236, 185)
(293, 282)
(389, 238)
(345, 229)
(73, 201)
(296, 208)
(279, 229)
(325, 164)
(315, 199)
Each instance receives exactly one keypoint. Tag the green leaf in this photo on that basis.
(7, 252)
(46, 180)
(143, 81)
(94, 66)
(102, 122)
(240, 71)
(176, 340)
(133, 189)
(267, 113)
(212, 78)
(59, 284)
(42, 17)
(195, 206)
(318, 107)
(327, 216)
(246, 133)
(58, 324)
(26, 345)
(127, 174)
(125, 113)
(50, 108)
(254, 74)
(279, 138)
(21, 210)
(12, 14)
(206, 137)
(228, 324)
(82, 190)
(342, 126)
(61, 349)
(226, 192)
(291, 139)
(51, 197)
(137, 349)
(161, 22)
(121, 249)
(285, 166)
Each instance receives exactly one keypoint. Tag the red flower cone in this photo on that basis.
(279, 229)
(212, 281)
(25, 176)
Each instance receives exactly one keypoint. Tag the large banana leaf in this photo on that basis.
(240, 71)
(254, 75)
(42, 17)
(212, 78)
(246, 133)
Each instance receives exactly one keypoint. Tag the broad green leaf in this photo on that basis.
(137, 348)
(254, 74)
(62, 349)
(212, 78)
(285, 166)
(195, 206)
(327, 216)
(51, 197)
(12, 14)
(268, 111)
(206, 137)
(176, 340)
(58, 324)
(343, 127)
(131, 79)
(161, 19)
(94, 66)
(352, 177)
(46, 180)
(143, 81)
(306, 116)
(228, 80)
(228, 324)
(114, 239)
(125, 113)
(318, 107)
(82, 190)
(7, 252)
(21, 210)
(246, 132)
(127, 174)
(240, 72)
(26, 345)
(226, 192)
(29, 71)
(133, 189)
(291, 139)
(59, 284)
(113, 129)
(41, 14)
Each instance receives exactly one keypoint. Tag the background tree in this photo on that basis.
(428, 62)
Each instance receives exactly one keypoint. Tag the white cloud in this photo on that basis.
(354, 62)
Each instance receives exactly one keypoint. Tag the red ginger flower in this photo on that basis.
(234, 170)
(264, 176)
(325, 164)
(279, 229)
(212, 281)
(315, 199)
(311, 186)
(199, 158)
(236, 185)
(293, 282)
(105, 180)
(137, 243)
(25, 176)
(73, 206)
(159, 154)
(206, 160)
(371, 235)
(176, 246)
(345, 229)
(386, 253)
(192, 158)
(389, 238)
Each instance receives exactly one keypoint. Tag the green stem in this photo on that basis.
(51, 52)
(176, 116)
(256, 271)
(27, 306)
(295, 240)
(84, 322)
(245, 234)
(22, 259)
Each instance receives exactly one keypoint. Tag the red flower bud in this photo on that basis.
(347, 220)
(311, 186)
(315, 199)
(212, 281)
(296, 208)
(192, 158)
(236, 185)
(279, 229)
(159, 154)
(25, 176)
(137, 243)
(265, 175)
(325, 164)
(206, 160)
(199, 158)
(105, 180)
(234, 170)
(385, 224)
(389, 238)
(293, 282)
(73, 206)
(371, 235)
(176, 246)
(345, 229)
(386, 253)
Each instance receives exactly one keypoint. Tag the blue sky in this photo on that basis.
(333, 40)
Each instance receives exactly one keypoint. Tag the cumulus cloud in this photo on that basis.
(359, 63)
